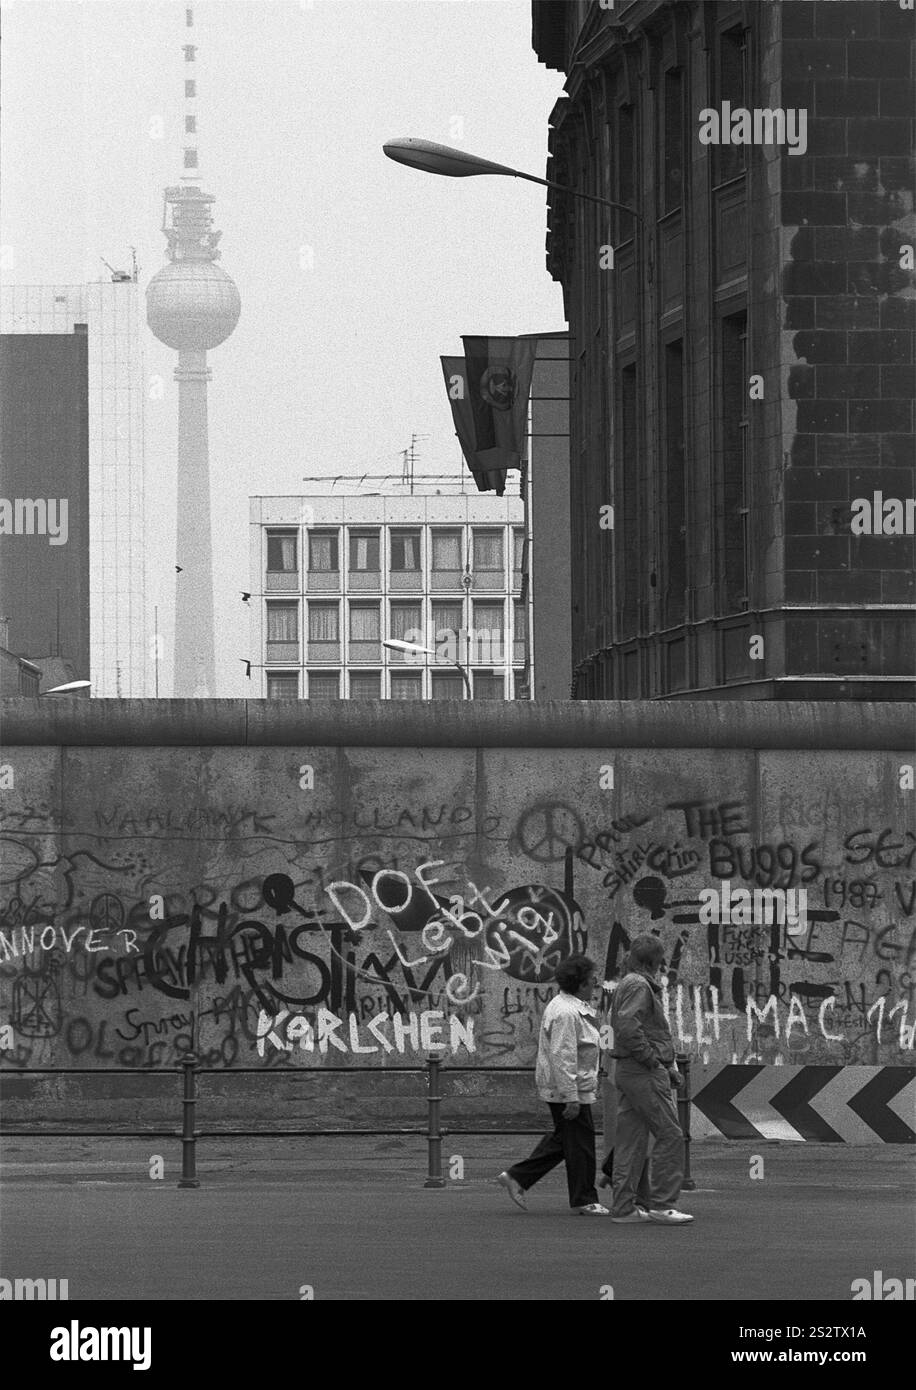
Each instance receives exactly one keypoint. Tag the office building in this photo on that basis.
(72, 429)
(334, 578)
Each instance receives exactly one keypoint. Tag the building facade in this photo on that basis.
(741, 344)
(334, 578)
(103, 318)
(44, 496)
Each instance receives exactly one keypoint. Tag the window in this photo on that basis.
(190, 125)
(405, 550)
(487, 686)
(731, 515)
(366, 686)
(324, 622)
(364, 622)
(628, 501)
(323, 552)
(364, 551)
(282, 685)
(190, 88)
(190, 159)
(446, 550)
(324, 687)
(731, 85)
(28, 682)
(519, 631)
(518, 551)
(674, 127)
(675, 486)
(447, 618)
(404, 687)
(520, 687)
(282, 622)
(447, 687)
(406, 622)
(282, 552)
(626, 170)
(486, 643)
(488, 550)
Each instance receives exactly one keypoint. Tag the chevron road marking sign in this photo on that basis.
(833, 1105)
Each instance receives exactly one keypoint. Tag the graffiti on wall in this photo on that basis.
(342, 935)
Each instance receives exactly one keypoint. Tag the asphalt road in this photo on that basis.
(351, 1220)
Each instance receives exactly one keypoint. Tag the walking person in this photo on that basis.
(645, 1073)
(567, 1078)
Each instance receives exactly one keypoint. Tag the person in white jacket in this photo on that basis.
(567, 1079)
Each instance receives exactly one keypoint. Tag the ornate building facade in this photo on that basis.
(741, 344)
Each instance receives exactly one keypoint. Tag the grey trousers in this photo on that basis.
(646, 1106)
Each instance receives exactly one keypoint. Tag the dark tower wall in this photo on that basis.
(44, 453)
(733, 515)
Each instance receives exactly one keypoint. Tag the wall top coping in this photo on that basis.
(63, 721)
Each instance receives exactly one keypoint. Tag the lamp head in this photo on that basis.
(440, 159)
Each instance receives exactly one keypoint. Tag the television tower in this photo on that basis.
(192, 305)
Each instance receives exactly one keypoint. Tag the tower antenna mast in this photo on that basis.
(192, 305)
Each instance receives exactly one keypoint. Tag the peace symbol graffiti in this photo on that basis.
(547, 830)
(106, 913)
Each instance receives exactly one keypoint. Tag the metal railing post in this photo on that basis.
(434, 1133)
(683, 1109)
(188, 1133)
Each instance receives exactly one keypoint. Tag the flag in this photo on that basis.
(488, 390)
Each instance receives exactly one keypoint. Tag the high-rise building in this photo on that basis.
(335, 578)
(73, 428)
(741, 344)
(192, 306)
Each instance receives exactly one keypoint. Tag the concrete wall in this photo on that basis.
(214, 870)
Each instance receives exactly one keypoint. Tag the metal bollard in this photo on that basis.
(188, 1134)
(434, 1136)
(683, 1114)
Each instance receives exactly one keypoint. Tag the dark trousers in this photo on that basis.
(571, 1142)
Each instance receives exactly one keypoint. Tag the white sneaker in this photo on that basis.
(514, 1189)
(669, 1217)
(593, 1209)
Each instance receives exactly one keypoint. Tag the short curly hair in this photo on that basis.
(572, 973)
(646, 951)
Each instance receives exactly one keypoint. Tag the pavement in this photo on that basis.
(348, 1218)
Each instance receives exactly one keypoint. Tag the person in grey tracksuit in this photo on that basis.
(645, 1074)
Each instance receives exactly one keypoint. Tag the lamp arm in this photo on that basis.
(575, 192)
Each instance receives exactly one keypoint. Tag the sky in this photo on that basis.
(355, 273)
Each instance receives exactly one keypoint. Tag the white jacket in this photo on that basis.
(568, 1049)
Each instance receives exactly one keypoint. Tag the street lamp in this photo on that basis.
(396, 645)
(457, 164)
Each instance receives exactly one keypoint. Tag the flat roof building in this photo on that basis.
(333, 579)
(100, 320)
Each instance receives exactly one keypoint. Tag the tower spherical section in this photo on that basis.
(192, 305)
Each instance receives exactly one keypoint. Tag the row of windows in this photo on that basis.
(673, 129)
(367, 685)
(365, 619)
(446, 550)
